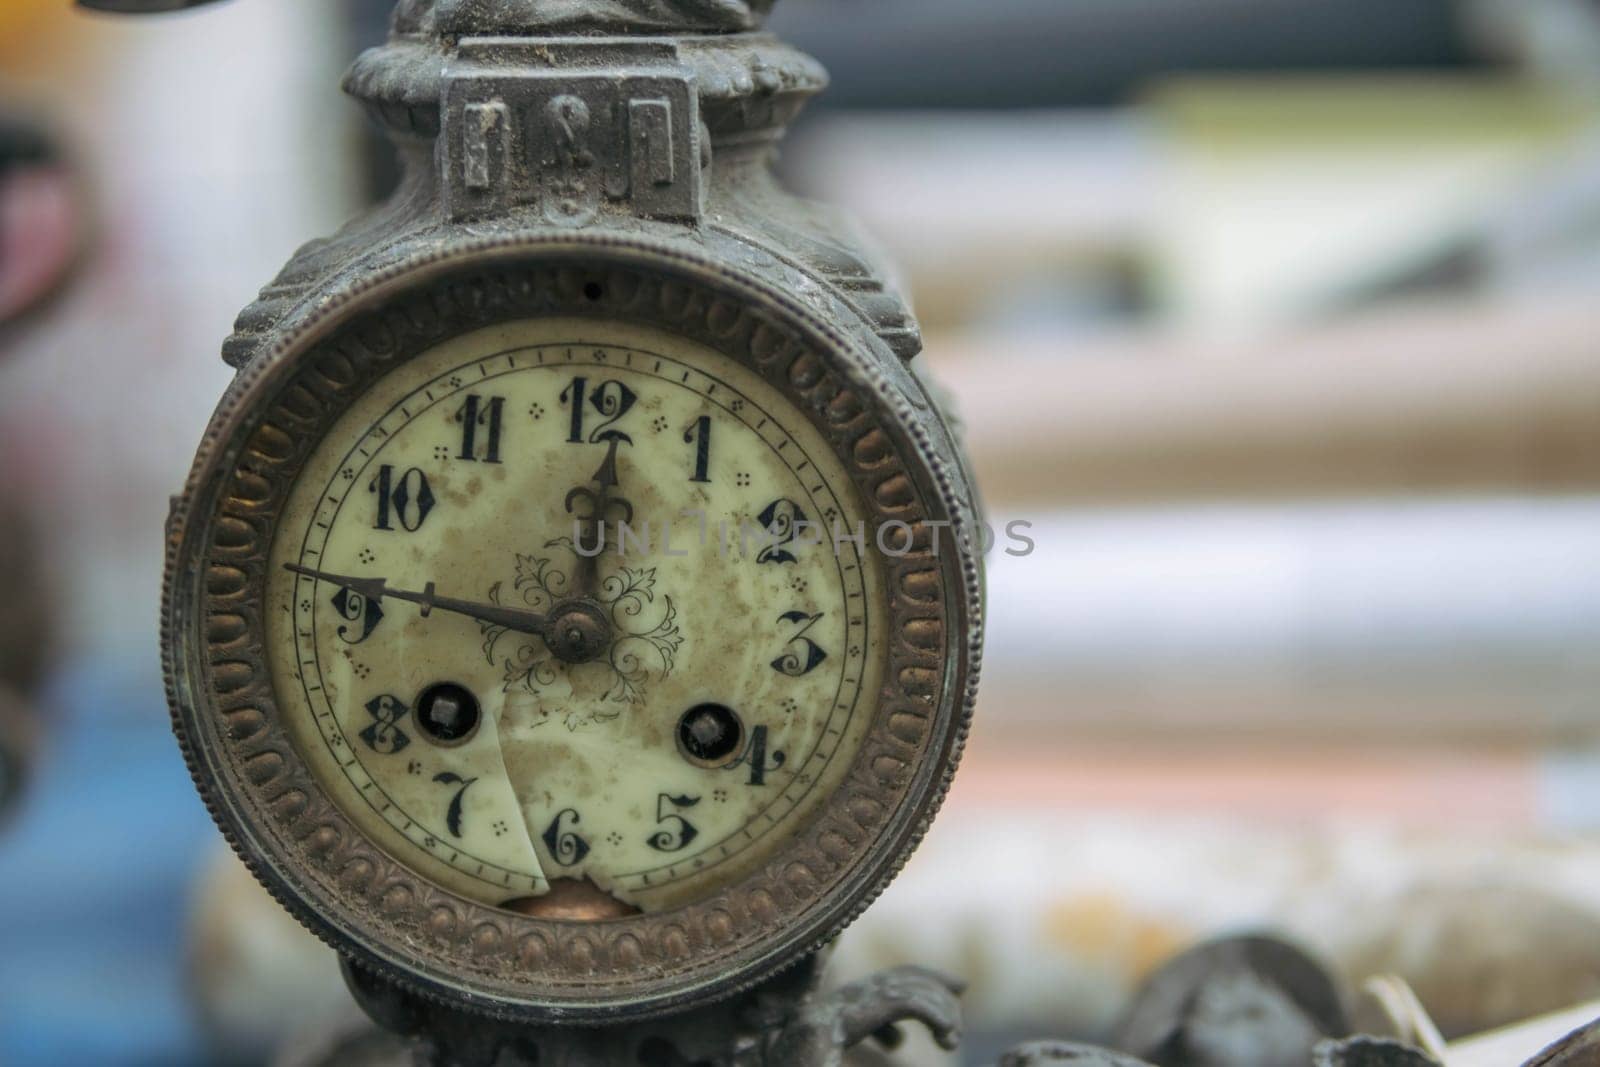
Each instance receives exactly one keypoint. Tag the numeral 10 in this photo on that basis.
(406, 500)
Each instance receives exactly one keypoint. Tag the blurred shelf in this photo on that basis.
(1463, 398)
(1040, 53)
(1263, 783)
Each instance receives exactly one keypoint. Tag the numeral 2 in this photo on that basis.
(781, 520)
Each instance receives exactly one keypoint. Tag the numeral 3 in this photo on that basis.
(801, 655)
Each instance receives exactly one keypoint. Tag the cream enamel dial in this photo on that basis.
(572, 617)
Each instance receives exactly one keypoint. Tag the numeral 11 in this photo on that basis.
(475, 413)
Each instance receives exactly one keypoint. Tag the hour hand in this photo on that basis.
(593, 508)
(377, 589)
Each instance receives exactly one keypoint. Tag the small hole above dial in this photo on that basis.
(710, 734)
(448, 713)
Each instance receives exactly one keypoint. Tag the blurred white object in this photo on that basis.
(1516, 1044)
(1548, 239)
(1289, 196)
(1386, 1006)
(1441, 622)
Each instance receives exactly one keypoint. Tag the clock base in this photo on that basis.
(789, 1021)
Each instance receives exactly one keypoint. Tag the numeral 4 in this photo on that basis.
(755, 755)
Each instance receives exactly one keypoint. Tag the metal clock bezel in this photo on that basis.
(389, 919)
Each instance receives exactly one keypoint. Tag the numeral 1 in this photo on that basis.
(475, 413)
(700, 435)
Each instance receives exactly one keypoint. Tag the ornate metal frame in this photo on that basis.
(424, 939)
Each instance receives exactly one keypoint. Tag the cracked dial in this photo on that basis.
(572, 617)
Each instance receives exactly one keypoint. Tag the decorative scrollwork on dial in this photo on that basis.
(639, 650)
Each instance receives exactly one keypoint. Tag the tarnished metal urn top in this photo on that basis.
(401, 81)
(566, 16)
(533, 16)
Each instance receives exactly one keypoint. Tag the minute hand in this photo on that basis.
(377, 589)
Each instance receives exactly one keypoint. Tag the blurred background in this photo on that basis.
(1279, 320)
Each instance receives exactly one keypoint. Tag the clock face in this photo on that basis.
(573, 618)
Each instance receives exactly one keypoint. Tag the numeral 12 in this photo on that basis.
(610, 399)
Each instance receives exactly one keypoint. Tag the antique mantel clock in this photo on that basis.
(573, 612)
